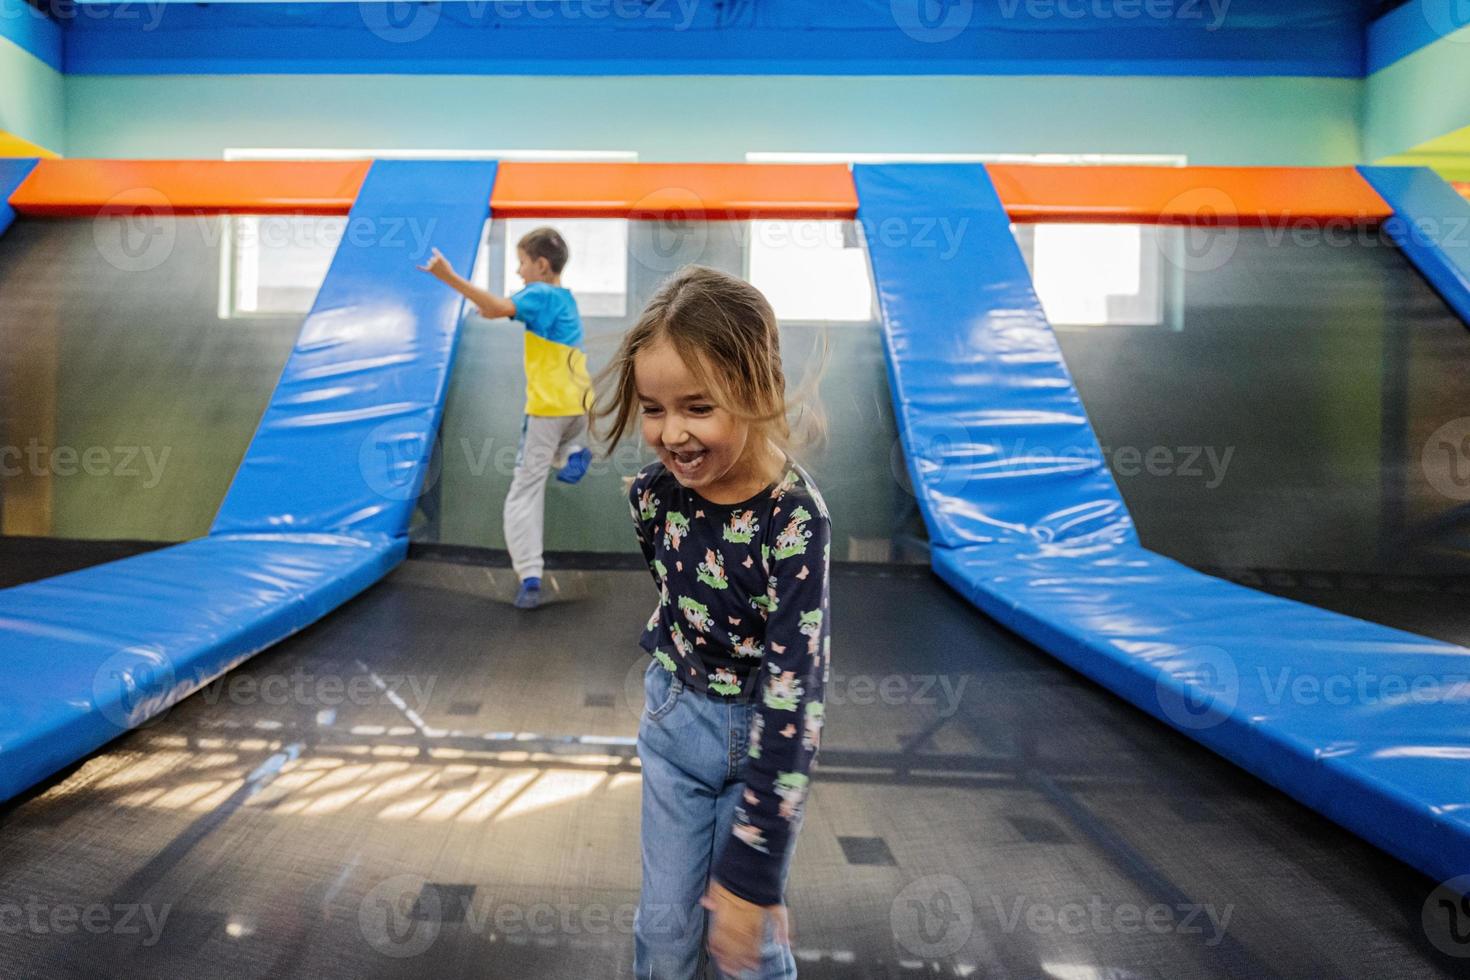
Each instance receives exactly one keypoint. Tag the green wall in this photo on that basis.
(1418, 98)
(1212, 120)
(147, 399)
(31, 97)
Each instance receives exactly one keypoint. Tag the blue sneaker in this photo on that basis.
(576, 467)
(529, 596)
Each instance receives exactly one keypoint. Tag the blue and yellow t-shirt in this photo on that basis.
(556, 367)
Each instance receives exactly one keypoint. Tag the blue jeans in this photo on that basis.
(692, 748)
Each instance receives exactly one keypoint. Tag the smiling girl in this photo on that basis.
(737, 539)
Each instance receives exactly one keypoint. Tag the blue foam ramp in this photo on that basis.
(996, 438)
(318, 511)
(13, 170)
(1366, 724)
(343, 445)
(1431, 226)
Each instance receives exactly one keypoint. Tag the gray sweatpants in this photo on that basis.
(546, 443)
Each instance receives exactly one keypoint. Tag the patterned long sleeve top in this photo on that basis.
(743, 602)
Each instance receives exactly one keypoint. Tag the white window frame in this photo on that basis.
(752, 230)
(333, 153)
(1073, 159)
(1162, 276)
(499, 280)
(1156, 275)
(231, 258)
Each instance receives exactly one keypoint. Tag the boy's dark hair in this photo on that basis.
(546, 243)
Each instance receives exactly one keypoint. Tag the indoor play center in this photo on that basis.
(1139, 332)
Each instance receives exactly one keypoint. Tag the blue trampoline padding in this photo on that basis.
(318, 511)
(1230, 667)
(1222, 664)
(13, 170)
(344, 444)
(1023, 459)
(88, 655)
(1431, 225)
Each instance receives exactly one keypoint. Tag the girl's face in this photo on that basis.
(701, 443)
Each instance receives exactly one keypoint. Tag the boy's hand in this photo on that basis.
(438, 266)
(737, 927)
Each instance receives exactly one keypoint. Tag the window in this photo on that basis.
(811, 270)
(273, 265)
(1098, 275)
(1080, 159)
(597, 273)
(1084, 274)
(318, 153)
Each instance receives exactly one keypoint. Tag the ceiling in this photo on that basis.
(1082, 37)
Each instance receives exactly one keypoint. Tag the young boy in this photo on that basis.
(556, 389)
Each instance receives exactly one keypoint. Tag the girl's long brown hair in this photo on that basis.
(725, 331)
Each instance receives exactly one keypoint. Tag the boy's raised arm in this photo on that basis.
(491, 307)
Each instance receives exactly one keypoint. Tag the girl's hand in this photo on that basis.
(438, 266)
(736, 928)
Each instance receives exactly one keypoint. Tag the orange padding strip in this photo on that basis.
(1186, 195)
(1031, 193)
(594, 190)
(87, 187)
(673, 190)
(1464, 189)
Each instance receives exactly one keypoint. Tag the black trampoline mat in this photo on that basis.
(977, 810)
(31, 559)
